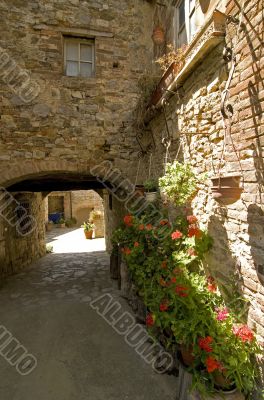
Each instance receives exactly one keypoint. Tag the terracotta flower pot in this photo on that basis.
(187, 355)
(227, 188)
(221, 382)
(158, 35)
(88, 234)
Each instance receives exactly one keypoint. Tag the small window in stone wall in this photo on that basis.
(24, 218)
(79, 57)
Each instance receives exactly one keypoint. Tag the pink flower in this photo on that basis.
(176, 235)
(243, 332)
(222, 314)
(136, 244)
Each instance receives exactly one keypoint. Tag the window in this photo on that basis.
(192, 22)
(79, 57)
(180, 34)
(185, 22)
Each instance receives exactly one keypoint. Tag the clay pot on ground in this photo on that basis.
(227, 188)
(88, 234)
(158, 35)
(187, 355)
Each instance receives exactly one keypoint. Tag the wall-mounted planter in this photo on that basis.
(166, 80)
(227, 188)
(158, 35)
(206, 39)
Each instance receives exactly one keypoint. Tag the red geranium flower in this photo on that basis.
(243, 332)
(212, 364)
(128, 220)
(192, 219)
(149, 227)
(212, 287)
(176, 235)
(206, 344)
(150, 320)
(194, 231)
(141, 227)
(136, 244)
(164, 265)
(181, 291)
(164, 305)
(222, 314)
(126, 251)
(173, 280)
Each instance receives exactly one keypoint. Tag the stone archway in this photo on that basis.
(36, 179)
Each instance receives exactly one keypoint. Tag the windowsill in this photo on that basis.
(205, 40)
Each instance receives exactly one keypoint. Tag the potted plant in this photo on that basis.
(151, 187)
(88, 228)
(179, 184)
(227, 188)
(61, 223)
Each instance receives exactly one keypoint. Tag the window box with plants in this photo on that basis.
(88, 228)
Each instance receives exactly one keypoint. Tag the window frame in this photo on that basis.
(179, 29)
(79, 41)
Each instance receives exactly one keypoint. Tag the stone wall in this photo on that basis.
(83, 203)
(195, 122)
(78, 121)
(54, 124)
(17, 251)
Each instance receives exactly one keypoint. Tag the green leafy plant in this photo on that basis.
(88, 226)
(179, 183)
(70, 222)
(185, 304)
(151, 185)
(61, 221)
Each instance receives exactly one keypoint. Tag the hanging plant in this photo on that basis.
(179, 183)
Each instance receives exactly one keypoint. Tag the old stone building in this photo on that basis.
(70, 74)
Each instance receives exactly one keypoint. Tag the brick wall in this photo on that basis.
(194, 118)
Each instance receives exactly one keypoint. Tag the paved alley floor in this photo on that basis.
(79, 356)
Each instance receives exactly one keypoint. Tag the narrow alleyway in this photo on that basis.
(79, 356)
